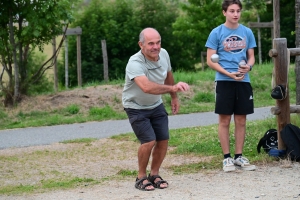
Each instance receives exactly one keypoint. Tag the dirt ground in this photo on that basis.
(85, 98)
(106, 157)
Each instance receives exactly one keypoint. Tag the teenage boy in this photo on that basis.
(233, 42)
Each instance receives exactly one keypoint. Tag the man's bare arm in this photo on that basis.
(154, 88)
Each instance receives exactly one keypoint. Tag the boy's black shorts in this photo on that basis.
(234, 97)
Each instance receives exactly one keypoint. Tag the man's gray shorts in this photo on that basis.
(149, 125)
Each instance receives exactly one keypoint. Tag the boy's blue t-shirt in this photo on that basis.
(231, 46)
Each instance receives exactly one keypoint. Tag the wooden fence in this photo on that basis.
(282, 110)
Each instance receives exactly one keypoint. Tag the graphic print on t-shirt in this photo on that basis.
(234, 44)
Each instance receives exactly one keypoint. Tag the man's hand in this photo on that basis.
(181, 87)
(175, 106)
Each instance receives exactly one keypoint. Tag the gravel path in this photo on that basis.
(272, 183)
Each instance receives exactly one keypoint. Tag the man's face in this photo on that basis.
(151, 46)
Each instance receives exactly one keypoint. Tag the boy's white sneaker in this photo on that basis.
(243, 163)
(228, 165)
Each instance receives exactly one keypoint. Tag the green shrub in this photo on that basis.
(102, 112)
(43, 84)
(204, 97)
(72, 109)
(3, 115)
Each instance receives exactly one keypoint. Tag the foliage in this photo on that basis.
(259, 6)
(3, 115)
(80, 140)
(287, 22)
(204, 97)
(287, 25)
(72, 109)
(109, 21)
(161, 14)
(25, 25)
(66, 183)
(194, 25)
(119, 24)
(106, 112)
(43, 84)
(183, 25)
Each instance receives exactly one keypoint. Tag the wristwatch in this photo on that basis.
(250, 67)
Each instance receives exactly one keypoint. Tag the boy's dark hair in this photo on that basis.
(227, 3)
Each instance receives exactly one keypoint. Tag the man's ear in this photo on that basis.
(140, 44)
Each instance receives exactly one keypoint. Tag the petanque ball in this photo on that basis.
(214, 58)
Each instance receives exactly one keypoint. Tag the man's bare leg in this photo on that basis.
(158, 155)
(144, 153)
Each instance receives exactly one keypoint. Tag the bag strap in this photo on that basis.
(260, 143)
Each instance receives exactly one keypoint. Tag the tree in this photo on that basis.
(161, 14)
(108, 20)
(119, 22)
(26, 25)
(199, 17)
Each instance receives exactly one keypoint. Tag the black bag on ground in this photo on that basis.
(268, 141)
(290, 136)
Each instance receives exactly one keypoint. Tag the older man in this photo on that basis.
(148, 75)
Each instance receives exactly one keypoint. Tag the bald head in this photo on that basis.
(150, 43)
(147, 32)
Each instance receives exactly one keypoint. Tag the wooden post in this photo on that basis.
(281, 77)
(276, 18)
(55, 66)
(73, 31)
(203, 55)
(105, 60)
(79, 79)
(293, 109)
(276, 30)
(259, 42)
(66, 63)
(297, 60)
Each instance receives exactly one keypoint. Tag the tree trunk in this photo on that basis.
(297, 60)
(16, 68)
